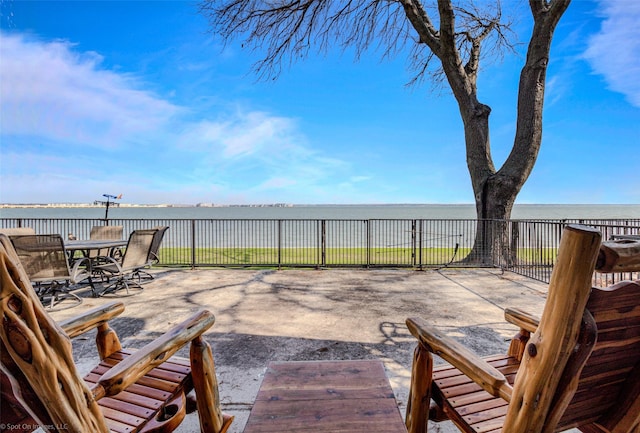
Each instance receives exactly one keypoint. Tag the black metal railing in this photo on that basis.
(531, 246)
(527, 247)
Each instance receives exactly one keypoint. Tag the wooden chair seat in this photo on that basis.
(465, 402)
(161, 388)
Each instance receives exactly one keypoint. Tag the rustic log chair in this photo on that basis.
(129, 391)
(578, 366)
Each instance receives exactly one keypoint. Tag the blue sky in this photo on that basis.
(138, 98)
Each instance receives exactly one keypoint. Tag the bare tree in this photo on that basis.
(448, 40)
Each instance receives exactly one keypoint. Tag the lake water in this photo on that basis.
(409, 211)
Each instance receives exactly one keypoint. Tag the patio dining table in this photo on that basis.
(85, 245)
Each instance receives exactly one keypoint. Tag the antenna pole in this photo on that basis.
(107, 203)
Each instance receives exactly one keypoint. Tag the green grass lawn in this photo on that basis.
(307, 256)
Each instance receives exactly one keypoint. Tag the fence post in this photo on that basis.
(318, 244)
(367, 225)
(323, 241)
(413, 243)
(279, 244)
(420, 231)
(515, 241)
(193, 244)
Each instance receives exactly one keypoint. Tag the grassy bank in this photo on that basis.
(308, 256)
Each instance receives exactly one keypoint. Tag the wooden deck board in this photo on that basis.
(325, 396)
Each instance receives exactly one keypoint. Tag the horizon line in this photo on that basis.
(209, 204)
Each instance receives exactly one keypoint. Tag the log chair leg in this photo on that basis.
(107, 341)
(518, 344)
(417, 416)
(206, 387)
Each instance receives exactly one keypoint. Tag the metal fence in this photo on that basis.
(527, 247)
(532, 246)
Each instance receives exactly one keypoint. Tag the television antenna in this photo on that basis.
(108, 202)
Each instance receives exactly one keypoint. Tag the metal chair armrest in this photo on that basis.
(106, 265)
(80, 270)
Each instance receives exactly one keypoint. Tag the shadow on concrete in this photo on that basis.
(297, 315)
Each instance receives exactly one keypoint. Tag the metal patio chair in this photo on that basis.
(124, 274)
(46, 262)
(154, 252)
(105, 233)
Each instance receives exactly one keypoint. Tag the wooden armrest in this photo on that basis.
(622, 255)
(91, 319)
(153, 354)
(521, 318)
(488, 377)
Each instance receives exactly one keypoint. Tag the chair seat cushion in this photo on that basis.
(466, 403)
(131, 408)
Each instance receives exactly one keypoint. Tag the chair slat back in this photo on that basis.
(37, 356)
(157, 241)
(104, 233)
(42, 256)
(138, 248)
(16, 231)
(611, 375)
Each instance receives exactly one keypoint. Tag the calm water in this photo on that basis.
(427, 211)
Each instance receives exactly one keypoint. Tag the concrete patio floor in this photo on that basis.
(292, 315)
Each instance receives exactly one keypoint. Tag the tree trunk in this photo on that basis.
(496, 191)
(493, 207)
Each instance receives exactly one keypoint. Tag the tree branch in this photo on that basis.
(287, 30)
(528, 137)
(422, 24)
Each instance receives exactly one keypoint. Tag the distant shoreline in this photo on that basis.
(316, 212)
(260, 205)
(133, 205)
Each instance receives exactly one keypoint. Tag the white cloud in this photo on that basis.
(245, 133)
(613, 51)
(255, 130)
(50, 91)
(554, 90)
(276, 183)
(87, 130)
